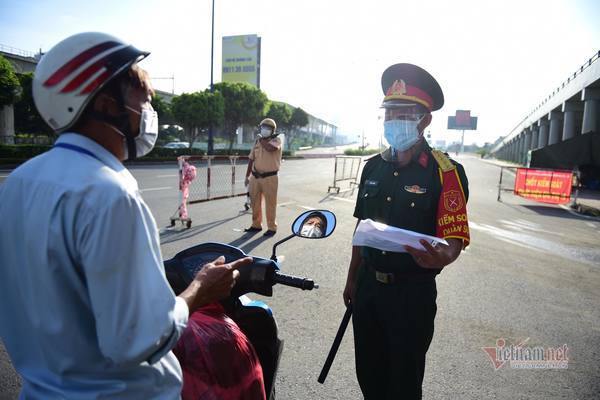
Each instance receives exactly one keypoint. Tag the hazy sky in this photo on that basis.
(498, 59)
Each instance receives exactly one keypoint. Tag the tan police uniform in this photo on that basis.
(264, 182)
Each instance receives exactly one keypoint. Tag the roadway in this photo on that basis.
(532, 272)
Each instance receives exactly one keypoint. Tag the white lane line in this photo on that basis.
(285, 204)
(155, 189)
(167, 176)
(307, 208)
(342, 199)
(591, 225)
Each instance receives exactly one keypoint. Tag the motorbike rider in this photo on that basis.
(86, 310)
(314, 225)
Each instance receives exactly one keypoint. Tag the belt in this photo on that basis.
(258, 175)
(392, 277)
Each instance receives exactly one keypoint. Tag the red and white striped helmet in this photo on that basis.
(72, 72)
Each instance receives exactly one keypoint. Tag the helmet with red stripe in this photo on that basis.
(72, 72)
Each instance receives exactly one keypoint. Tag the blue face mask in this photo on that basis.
(401, 134)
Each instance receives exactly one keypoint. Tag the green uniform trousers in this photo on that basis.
(393, 327)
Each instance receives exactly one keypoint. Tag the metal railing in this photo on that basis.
(217, 177)
(15, 51)
(346, 169)
(32, 139)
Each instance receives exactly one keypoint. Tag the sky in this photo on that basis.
(498, 59)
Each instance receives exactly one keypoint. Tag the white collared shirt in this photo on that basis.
(85, 309)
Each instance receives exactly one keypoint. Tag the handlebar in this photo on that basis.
(295, 281)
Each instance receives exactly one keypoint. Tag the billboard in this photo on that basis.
(241, 59)
(462, 121)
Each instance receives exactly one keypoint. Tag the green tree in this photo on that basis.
(195, 112)
(163, 109)
(244, 104)
(299, 119)
(9, 83)
(27, 117)
(281, 113)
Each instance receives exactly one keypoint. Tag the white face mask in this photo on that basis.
(145, 140)
(311, 231)
(264, 132)
(401, 134)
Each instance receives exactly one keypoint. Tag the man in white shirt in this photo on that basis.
(85, 309)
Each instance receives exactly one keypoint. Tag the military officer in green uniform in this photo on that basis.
(409, 186)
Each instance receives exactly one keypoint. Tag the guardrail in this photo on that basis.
(346, 169)
(35, 139)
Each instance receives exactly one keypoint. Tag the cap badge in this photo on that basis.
(398, 88)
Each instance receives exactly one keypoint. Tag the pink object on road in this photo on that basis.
(188, 174)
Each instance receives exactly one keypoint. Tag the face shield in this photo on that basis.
(401, 126)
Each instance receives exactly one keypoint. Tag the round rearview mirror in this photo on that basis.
(314, 224)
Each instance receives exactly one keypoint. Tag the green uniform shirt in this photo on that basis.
(405, 197)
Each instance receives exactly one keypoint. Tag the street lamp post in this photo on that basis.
(210, 149)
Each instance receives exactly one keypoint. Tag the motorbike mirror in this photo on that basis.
(314, 224)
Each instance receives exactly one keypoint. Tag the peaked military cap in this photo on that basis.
(410, 83)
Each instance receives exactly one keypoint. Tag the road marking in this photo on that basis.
(155, 189)
(307, 208)
(342, 199)
(285, 204)
(591, 225)
(527, 223)
(167, 176)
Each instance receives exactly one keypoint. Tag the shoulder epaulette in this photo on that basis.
(443, 161)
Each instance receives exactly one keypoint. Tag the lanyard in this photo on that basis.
(78, 149)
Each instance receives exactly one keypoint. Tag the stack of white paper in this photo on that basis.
(388, 238)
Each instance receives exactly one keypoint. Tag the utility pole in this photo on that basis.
(210, 149)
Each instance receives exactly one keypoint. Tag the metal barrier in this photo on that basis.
(346, 169)
(217, 177)
(32, 139)
(547, 188)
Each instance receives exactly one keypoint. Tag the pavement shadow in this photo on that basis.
(248, 247)
(548, 211)
(173, 235)
(244, 238)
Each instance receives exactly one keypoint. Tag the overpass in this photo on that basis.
(563, 131)
(21, 60)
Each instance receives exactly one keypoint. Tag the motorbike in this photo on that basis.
(254, 318)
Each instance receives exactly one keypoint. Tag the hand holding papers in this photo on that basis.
(388, 238)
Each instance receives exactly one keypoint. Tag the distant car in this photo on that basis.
(177, 145)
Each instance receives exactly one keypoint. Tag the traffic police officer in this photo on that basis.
(261, 176)
(413, 187)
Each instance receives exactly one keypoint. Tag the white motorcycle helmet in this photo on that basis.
(72, 72)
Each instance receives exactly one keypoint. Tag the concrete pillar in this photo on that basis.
(556, 125)
(535, 133)
(591, 99)
(7, 125)
(543, 124)
(513, 150)
(572, 115)
(520, 156)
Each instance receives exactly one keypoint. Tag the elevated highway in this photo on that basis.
(563, 131)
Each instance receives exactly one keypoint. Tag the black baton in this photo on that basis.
(336, 344)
